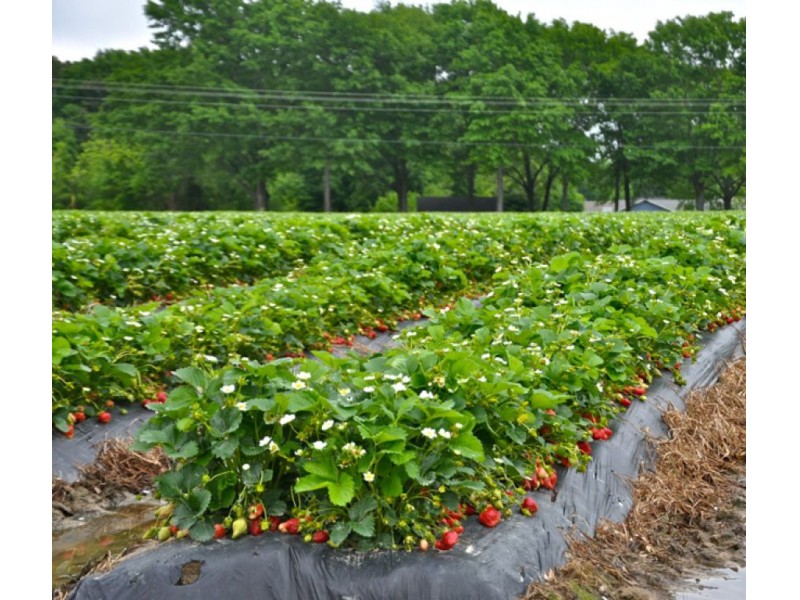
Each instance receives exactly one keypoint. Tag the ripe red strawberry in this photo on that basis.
(109, 403)
(530, 483)
(585, 447)
(320, 537)
(638, 391)
(70, 432)
(449, 539)
(104, 417)
(687, 354)
(529, 507)
(289, 526)
(173, 529)
(381, 326)
(550, 482)
(274, 522)
(255, 527)
(219, 531)
(490, 517)
(625, 402)
(470, 510)
(255, 511)
(161, 397)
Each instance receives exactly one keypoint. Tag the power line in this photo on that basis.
(213, 134)
(470, 111)
(368, 97)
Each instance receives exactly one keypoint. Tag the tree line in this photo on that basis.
(303, 105)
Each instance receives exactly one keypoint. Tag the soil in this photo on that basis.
(689, 515)
(101, 517)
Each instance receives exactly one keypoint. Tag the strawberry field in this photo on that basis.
(223, 325)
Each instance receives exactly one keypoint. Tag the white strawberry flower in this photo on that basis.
(426, 395)
(304, 375)
(399, 386)
(228, 389)
(319, 445)
(429, 433)
(327, 425)
(369, 477)
(444, 433)
(298, 385)
(288, 418)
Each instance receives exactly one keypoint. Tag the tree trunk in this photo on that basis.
(699, 192)
(616, 190)
(262, 198)
(500, 188)
(548, 185)
(627, 183)
(326, 183)
(472, 172)
(172, 201)
(529, 184)
(401, 185)
(564, 194)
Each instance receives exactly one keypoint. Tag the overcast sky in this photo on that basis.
(82, 27)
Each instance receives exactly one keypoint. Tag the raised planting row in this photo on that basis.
(107, 354)
(471, 412)
(120, 259)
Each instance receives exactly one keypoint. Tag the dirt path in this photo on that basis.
(689, 515)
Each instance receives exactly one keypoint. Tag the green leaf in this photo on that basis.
(324, 468)
(309, 483)
(468, 446)
(262, 404)
(412, 469)
(169, 484)
(180, 399)
(127, 370)
(362, 508)
(590, 359)
(403, 457)
(193, 376)
(391, 486)
(390, 434)
(342, 491)
(202, 531)
(61, 350)
(300, 401)
(226, 420)
(198, 500)
(364, 527)
(225, 449)
(544, 399)
(158, 436)
(188, 450)
(339, 533)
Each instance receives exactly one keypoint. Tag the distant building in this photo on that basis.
(640, 205)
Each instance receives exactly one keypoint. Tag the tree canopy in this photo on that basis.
(302, 105)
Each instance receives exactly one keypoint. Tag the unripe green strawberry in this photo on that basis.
(182, 533)
(164, 512)
(239, 528)
(164, 534)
